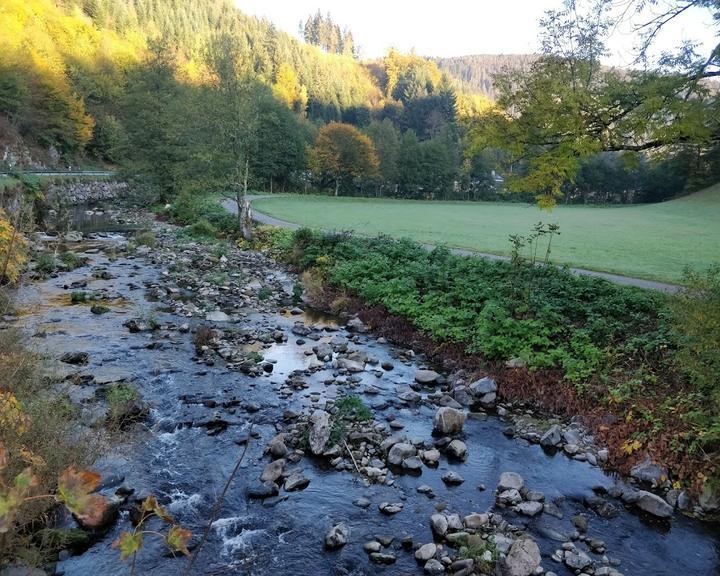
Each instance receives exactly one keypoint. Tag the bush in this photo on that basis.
(201, 229)
(13, 251)
(190, 208)
(145, 238)
(38, 429)
(45, 263)
(72, 260)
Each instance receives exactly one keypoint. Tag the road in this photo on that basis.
(614, 278)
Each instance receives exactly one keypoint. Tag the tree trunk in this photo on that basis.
(244, 207)
(337, 186)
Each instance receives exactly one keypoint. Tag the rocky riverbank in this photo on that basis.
(360, 455)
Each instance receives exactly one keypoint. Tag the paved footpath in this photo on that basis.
(231, 206)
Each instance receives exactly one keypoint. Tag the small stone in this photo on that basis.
(382, 558)
(452, 478)
(372, 546)
(529, 508)
(522, 559)
(439, 524)
(296, 481)
(457, 449)
(434, 567)
(390, 508)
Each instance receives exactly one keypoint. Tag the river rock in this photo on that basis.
(337, 536)
(434, 567)
(320, 431)
(323, 351)
(457, 449)
(653, 504)
(439, 524)
(263, 490)
(509, 497)
(372, 546)
(276, 447)
(522, 559)
(529, 508)
(448, 421)
(483, 386)
(426, 377)
(390, 508)
(356, 325)
(431, 457)
(475, 521)
(382, 558)
(400, 452)
(510, 481)
(649, 473)
(273, 471)
(576, 559)
(296, 481)
(353, 366)
(425, 552)
(709, 499)
(551, 438)
(413, 464)
(452, 478)
(75, 358)
(217, 316)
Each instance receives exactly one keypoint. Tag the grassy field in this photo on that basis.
(654, 241)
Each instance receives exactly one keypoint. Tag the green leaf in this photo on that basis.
(177, 538)
(129, 543)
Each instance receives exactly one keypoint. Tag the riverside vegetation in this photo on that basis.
(641, 366)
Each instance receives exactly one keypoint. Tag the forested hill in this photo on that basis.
(475, 72)
(66, 63)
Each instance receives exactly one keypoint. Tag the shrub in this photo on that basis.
(201, 229)
(203, 337)
(72, 260)
(352, 408)
(190, 207)
(145, 238)
(45, 263)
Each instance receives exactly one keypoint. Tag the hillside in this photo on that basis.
(475, 72)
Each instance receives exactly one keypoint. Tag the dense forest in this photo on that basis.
(198, 97)
(476, 73)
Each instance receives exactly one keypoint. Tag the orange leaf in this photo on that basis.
(177, 538)
(74, 488)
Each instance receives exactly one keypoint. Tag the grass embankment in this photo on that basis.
(641, 366)
(654, 241)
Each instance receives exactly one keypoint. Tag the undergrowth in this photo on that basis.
(647, 360)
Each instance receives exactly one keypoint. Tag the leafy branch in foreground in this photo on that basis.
(74, 491)
(130, 543)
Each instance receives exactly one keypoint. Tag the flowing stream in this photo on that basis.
(186, 466)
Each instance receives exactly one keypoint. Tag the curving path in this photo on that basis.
(614, 278)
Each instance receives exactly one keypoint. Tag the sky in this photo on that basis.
(459, 27)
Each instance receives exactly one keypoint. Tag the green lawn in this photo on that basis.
(654, 241)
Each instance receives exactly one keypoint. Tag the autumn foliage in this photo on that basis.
(13, 250)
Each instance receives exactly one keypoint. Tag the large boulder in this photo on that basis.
(551, 438)
(522, 559)
(320, 431)
(653, 504)
(400, 452)
(448, 421)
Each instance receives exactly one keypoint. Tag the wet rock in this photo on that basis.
(261, 490)
(337, 536)
(273, 471)
(425, 552)
(551, 438)
(425, 489)
(353, 366)
(277, 448)
(452, 478)
(323, 351)
(439, 524)
(529, 508)
(320, 431)
(413, 464)
(75, 358)
(522, 559)
(372, 546)
(390, 508)
(475, 521)
(434, 567)
(296, 481)
(387, 366)
(448, 421)
(356, 325)
(580, 522)
(362, 502)
(653, 504)
(649, 473)
(426, 377)
(510, 481)
(483, 386)
(382, 558)
(400, 452)
(431, 457)
(576, 559)
(457, 449)
(509, 497)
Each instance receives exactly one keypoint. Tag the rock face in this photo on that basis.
(337, 537)
(448, 421)
(320, 431)
(522, 559)
(653, 504)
